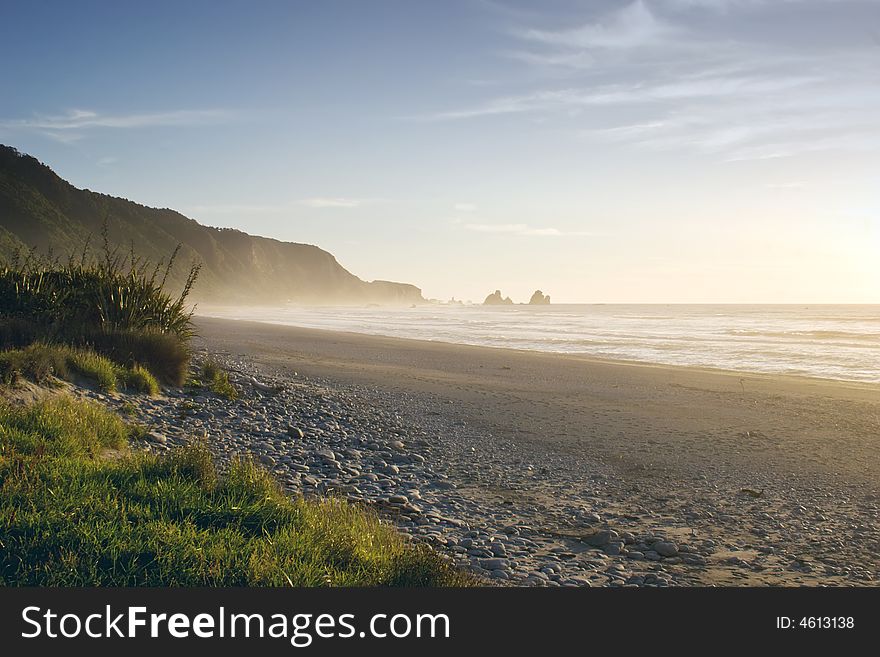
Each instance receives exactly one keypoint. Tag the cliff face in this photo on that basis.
(39, 209)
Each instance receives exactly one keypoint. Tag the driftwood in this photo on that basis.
(752, 492)
(262, 387)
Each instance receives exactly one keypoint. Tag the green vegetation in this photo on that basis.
(92, 366)
(76, 507)
(217, 380)
(117, 307)
(41, 210)
(59, 427)
(140, 379)
(39, 362)
(71, 518)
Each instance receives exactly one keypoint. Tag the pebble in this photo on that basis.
(158, 438)
(666, 548)
(601, 538)
(427, 474)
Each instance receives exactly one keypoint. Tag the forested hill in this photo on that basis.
(39, 209)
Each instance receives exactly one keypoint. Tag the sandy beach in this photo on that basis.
(773, 479)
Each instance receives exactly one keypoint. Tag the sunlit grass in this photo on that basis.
(217, 380)
(39, 362)
(71, 518)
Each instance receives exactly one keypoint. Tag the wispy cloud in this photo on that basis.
(565, 100)
(524, 229)
(464, 207)
(84, 119)
(632, 26)
(340, 202)
(685, 80)
(731, 5)
(74, 124)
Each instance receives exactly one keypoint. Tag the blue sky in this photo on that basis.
(643, 151)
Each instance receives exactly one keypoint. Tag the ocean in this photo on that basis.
(827, 341)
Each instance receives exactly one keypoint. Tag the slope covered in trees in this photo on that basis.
(38, 209)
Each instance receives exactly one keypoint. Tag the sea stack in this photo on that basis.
(495, 299)
(539, 299)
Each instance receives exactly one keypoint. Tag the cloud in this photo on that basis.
(730, 5)
(523, 229)
(70, 126)
(694, 82)
(630, 27)
(565, 100)
(63, 137)
(464, 207)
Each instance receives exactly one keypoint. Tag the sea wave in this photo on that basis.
(840, 342)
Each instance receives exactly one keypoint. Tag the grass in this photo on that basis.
(140, 380)
(92, 366)
(70, 518)
(217, 380)
(59, 427)
(165, 356)
(39, 362)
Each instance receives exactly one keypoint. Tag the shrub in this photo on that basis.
(164, 355)
(16, 332)
(37, 362)
(116, 306)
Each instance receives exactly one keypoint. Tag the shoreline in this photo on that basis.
(770, 482)
(868, 386)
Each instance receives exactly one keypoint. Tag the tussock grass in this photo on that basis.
(92, 366)
(217, 380)
(140, 379)
(68, 518)
(164, 355)
(39, 361)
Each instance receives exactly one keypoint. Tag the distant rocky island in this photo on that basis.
(539, 299)
(495, 299)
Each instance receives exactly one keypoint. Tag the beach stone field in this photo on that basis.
(514, 513)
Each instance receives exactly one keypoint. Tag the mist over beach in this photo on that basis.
(834, 342)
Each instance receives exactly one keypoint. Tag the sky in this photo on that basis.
(659, 151)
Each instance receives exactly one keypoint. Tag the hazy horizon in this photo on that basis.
(651, 151)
